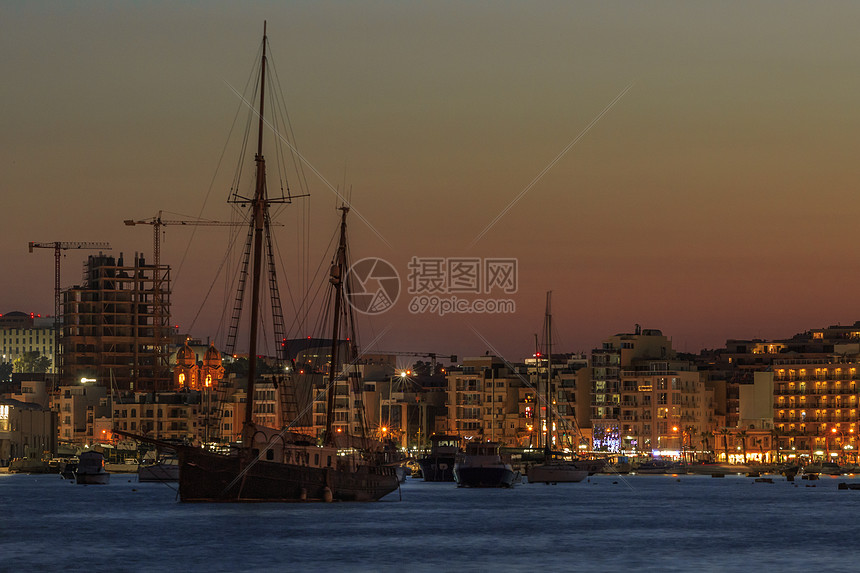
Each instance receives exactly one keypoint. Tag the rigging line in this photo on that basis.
(277, 251)
(303, 228)
(229, 278)
(281, 434)
(315, 171)
(300, 172)
(243, 149)
(283, 180)
(212, 285)
(551, 164)
(298, 322)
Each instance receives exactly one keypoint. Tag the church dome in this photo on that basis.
(212, 357)
(185, 356)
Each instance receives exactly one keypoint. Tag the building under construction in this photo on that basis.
(116, 325)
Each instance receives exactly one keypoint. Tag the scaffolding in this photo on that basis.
(116, 325)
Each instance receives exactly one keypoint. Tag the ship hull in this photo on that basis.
(92, 479)
(556, 473)
(437, 468)
(478, 476)
(207, 476)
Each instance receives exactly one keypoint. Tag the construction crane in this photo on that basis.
(62, 246)
(157, 223)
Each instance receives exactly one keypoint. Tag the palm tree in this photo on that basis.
(743, 436)
(774, 438)
(725, 432)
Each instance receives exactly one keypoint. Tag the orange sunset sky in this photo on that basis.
(712, 201)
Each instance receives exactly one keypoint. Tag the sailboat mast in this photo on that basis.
(336, 279)
(260, 206)
(537, 417)
(548, 442)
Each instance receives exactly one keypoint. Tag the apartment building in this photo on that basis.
(665, 408)
(816, 405)
(77, 406)
(619, 353)
(27, 430)
(21, 332)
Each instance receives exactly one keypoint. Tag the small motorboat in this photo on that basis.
(91, 469)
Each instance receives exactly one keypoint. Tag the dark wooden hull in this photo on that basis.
(207, 476)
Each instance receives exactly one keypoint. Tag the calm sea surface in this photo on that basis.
(611, 523)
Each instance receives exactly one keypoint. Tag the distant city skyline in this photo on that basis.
(710, 202)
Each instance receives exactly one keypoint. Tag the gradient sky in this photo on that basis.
(713, 201)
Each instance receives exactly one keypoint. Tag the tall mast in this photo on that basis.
(260, 206)
(548, 442)
(336, 279)
(537, 416)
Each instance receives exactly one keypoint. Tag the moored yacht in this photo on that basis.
(481, 465)
(556, 469)
(91, 469)
(438, 465)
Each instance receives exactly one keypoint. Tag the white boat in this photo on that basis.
(555, 469)
(482, 466)
(91, 469)
(165, 470)
(438, 465)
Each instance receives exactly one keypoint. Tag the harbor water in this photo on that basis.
(609, 523)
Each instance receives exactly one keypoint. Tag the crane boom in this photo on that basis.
(65, 245)
(62, 246)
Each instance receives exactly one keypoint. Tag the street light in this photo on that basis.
(842, 445)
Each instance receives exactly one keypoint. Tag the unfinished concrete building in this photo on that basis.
(116, 325)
